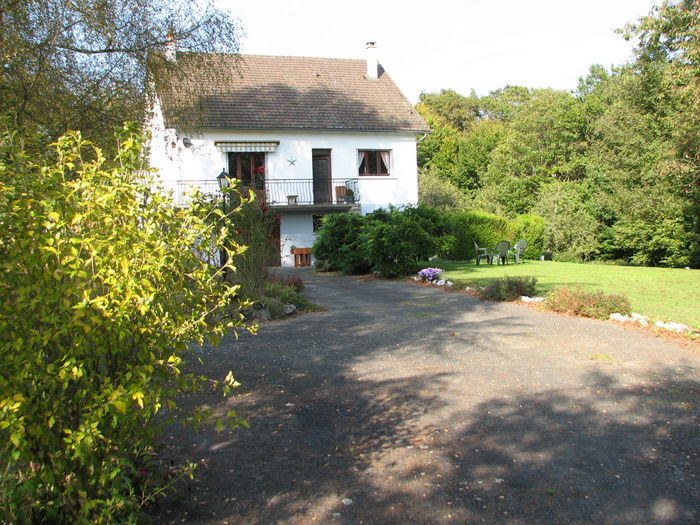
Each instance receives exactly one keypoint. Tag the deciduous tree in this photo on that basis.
(82, 64)
(104, 286)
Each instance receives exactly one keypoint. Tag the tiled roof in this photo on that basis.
(252, 92)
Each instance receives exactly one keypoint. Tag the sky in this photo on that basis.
(479, 45)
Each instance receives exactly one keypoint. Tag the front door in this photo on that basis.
(321, 159)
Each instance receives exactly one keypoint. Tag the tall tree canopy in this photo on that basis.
(82, 64)
(451, 108)
(669, 50)
(621, 153)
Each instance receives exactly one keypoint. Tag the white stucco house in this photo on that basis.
(313, 136)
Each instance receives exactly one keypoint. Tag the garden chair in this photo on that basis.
(482, 253)
(518, 250)
(500, 254)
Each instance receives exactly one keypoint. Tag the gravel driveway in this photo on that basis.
(408, 404)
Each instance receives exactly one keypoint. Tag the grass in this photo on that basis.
(671, 294)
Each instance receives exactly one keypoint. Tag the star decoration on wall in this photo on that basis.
(292, 161)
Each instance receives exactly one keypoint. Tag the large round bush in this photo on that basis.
(337, 245)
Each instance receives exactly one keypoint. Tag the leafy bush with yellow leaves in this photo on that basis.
(103, 285)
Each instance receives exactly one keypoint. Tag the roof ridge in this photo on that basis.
(272, 91)
(256, 55)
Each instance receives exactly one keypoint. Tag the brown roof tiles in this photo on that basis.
(252, 92)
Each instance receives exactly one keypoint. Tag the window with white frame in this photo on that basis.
(373, 162)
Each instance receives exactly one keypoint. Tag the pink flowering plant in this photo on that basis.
(430, 274)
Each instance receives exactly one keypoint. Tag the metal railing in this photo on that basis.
(281, 192)
(184, 190)
(293, 192)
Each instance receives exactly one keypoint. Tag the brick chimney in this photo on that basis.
(372, 62)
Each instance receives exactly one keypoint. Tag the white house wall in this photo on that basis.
(176, 164)
(203, 161)
(296, 231)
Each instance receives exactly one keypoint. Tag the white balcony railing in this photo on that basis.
(185, 188)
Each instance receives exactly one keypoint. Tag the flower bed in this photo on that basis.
(432, 276)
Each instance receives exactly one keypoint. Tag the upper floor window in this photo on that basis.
(373, 162)
(249, 168)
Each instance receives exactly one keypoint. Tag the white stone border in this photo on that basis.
(642, 320)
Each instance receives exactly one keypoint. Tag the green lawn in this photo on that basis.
(671, 294)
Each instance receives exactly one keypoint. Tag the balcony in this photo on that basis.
(303, 192)
(297, 194)
(184, 190)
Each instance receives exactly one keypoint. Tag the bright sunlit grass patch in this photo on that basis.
(663, 293)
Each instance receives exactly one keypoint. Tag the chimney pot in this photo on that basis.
(372, 62)
(170, 48)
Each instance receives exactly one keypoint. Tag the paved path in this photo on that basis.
(407, 404)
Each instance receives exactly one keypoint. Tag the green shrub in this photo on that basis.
(287, 295)
(104, 285)
(445, 246)
(431, 220)
(391, 242)
(588, 304)
(436, 224)
(251, 225)
(337, 245)
(531, 228)
(509, 288)
(275, 295)
(488, 229)
(380, 214)
(387, 242)
(394, 246)
(484, 228)
(567, 257)
(662, 242)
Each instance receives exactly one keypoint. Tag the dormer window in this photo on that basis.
(372, 163)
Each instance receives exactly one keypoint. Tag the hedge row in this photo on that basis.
(392, 242)
(487, 230)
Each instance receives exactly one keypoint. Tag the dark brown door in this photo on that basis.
(275, 259)
(321, 159)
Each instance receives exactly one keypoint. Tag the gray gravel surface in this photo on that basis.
(402, 403)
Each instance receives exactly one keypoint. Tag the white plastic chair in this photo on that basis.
(481, 253)
(518, 250)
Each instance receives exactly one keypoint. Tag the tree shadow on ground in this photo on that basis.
(364, 452)
(368, 415)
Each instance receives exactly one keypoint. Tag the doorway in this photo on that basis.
(276, 241)
(321, 168)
